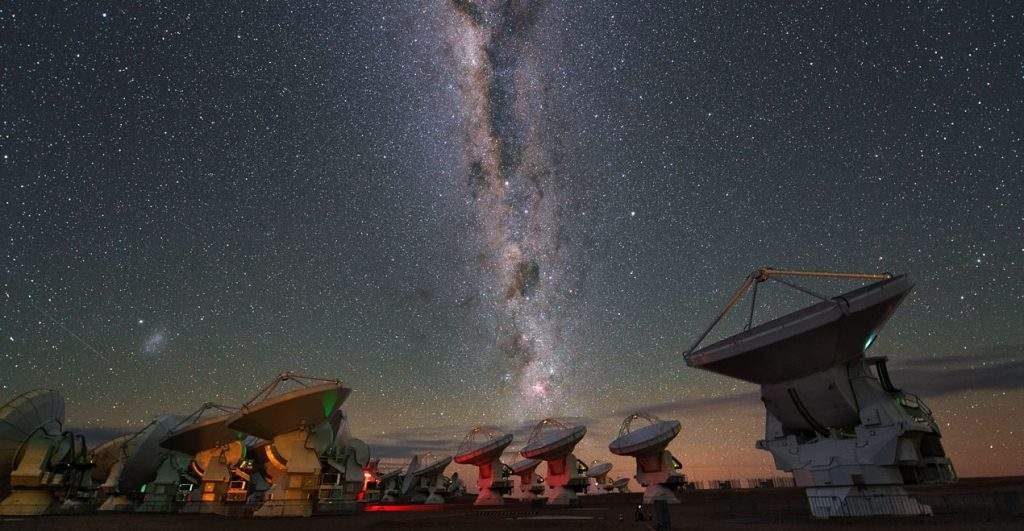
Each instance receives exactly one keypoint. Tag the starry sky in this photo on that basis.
(476, 214)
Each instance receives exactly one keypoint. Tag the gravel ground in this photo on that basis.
(976, 504)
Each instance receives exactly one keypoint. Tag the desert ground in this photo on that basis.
(977, 504)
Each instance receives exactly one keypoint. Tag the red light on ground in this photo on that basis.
(416, 508)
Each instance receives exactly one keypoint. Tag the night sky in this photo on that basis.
(477, 214)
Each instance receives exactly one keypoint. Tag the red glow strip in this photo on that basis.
(416, 508)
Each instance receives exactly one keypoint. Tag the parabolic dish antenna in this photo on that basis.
(21, 418)
(106, 455)
(431, 466)
(139, 457)
(215, 452)
(361, 454)
(599, 470)
(142, 454)
(390, 474)
(482, 447)
(553, 441)
(655, 467)
(524, 465)
(424, 478)
(389, 484)
(200, 431)
(32, 444)
(530, 485)
(653, 437)
(302, 425)
(828, 414)
(806, 341)
(559, 441)
(349, 458)
(478, 452)
(268, 415)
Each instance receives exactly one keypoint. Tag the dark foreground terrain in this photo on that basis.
(983, 503)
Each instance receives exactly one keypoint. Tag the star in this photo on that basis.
(444, 210)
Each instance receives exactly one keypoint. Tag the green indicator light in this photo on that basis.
(329, 400)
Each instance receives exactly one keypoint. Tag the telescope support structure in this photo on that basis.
(161, 492)
(31, 493)
(858, 471)
(492, 483)
(564, 481)
(656, 473)
(295, 481)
